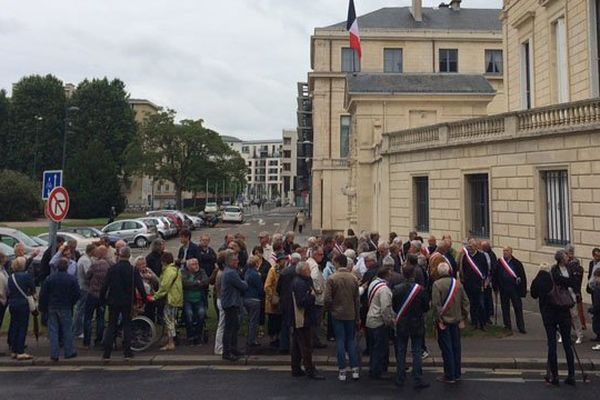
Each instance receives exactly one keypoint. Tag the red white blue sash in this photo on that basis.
(273, 258)
(451, 269)
(508, 269)
(472, 263)
(339, 248)
(451, 296)
(425, 251)
(412, 295)
(375, 287)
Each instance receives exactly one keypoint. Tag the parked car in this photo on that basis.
(161, 224)
(196, 222)
(168, 214)
(92, 233)
(133, 231)
(232, 214)
(8, 251)
(10, 237)
(40, 241)
(82, 241)
(211, 208)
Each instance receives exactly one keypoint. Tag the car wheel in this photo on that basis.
(141, 242)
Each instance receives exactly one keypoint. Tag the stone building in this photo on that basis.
(289, 166)
(420, 66)
(528, 178)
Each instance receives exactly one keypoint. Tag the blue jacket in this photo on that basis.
(232, 288)
(59, 291)
(25, 281)
(255, 285)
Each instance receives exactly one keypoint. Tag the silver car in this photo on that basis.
(133, 231)
(164, 230)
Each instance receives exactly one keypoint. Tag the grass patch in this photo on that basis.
(33, 230)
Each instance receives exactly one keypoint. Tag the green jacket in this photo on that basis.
(170, 286)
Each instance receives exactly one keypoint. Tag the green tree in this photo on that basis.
(20, 197)
(4, 124)
(37, 110)
(95, 187)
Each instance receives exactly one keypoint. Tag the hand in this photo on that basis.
(461, 325)
(35, 253)
(518, 281)
(441, 326)
(149, 298)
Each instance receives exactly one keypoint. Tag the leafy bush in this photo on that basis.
(20, 197)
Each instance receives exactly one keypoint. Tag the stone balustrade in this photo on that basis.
(535, 122)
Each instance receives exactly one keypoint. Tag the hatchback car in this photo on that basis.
(8, 251)
(232, 214)
(92, 233)
(133, 231)
(211, 208)
(82, 241)
(10, 237)
(161, 224)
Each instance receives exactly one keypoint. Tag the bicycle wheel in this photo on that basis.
(143, 333)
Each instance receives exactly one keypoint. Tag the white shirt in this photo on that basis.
(360, 266)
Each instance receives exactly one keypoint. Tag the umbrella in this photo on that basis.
(36, 326)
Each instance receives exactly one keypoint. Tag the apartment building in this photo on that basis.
(289, 166)
(419, 66)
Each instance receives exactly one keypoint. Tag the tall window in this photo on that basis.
(350, 60)
(245, 149)
(448, 60)
(526, 78)
(556, 185)
(562, 69)
(479, 224)
(421, 185)
(344, 136)
(493, 62)
(392, 60)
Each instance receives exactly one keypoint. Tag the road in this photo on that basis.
(194, 383)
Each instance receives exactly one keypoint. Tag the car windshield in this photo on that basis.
(211, 204)
(23, 238)
(232, 209)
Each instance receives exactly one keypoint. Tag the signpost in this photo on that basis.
(60, 204)
(51, 180)
(57, 206)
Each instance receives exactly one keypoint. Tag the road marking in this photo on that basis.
(498, 380)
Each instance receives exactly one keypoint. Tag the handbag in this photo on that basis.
(560, 296)
(31, 301)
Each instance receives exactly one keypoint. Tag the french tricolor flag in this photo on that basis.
(352, 27)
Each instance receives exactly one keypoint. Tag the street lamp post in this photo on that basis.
(38, 120)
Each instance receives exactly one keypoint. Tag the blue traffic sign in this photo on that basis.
(52, 179)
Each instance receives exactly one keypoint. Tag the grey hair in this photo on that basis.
(569, 248)
(296, 256)
(156, 245)
(388, 262)
(559, 255)
(300, 267)
(125, 252)
(138, 259)
(18, 264)
(370, 256)
(229, 255)
(191, 261)
(383, 245)
(443, 269)
(351, 254)
(417, 244)
(290, 234)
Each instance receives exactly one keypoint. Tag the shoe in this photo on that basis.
(24, 357)
(523, 331)
(167, 348)
(570, 381)
(331, 339)
(398, 383)
(380, 377)
(559, 338)
(579, 340)
(425, 354)
(355, 374)
(253, 345)
(596, 339)
(421, 385)
(80, 336)
(443, 379)
(596, 347)
(128, 356)
(298, 374)
(551, 381)
(320, 346)
(230, 357)
(274, 343)
(284, 352)
(71, 356)
(315, 376)
(342, 375)
(105, 358)
(53, 359)
(13, 355)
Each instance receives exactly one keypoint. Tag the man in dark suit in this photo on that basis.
(474, 275)
(491, 260)
(509, 278)
(118, 292)
(188, 249)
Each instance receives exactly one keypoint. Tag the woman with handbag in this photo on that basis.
(21, 303)
(552, 288)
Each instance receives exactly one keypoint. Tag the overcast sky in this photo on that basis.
(233, 63)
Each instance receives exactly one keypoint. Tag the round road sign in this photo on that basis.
(58, 204)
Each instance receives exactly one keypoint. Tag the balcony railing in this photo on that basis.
(541, 121)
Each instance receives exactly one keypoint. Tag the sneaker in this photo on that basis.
(579, 340)
(355, 374)
(570, 381)
(425, 354)
(559, 338)
(24, 357)
(596, 347)
(342, 375)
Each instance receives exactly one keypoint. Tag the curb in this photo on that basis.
(520, 364)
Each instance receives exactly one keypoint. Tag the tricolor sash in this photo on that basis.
(451, 297)
(472, 263)
(273, 258)
(508, 269)
(412, 295)
(425, 251)
(451, 269)
(339, 248)
(375, 287)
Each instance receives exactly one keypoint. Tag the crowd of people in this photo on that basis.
(361, 292)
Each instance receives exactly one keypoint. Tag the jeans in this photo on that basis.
(345, 336)
(564, 327)
(380, 350)
(507, 297)
(194, 318)
(449, 341)
(220, 329)
(92, 305)
(19, 321)
(302, 350)
(79, 315)
(230, 333)
(416, 344)
(253, 310)
(60, 322)
(116, 313)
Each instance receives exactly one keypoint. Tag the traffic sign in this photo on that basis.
(51, 180)
(57, 206)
